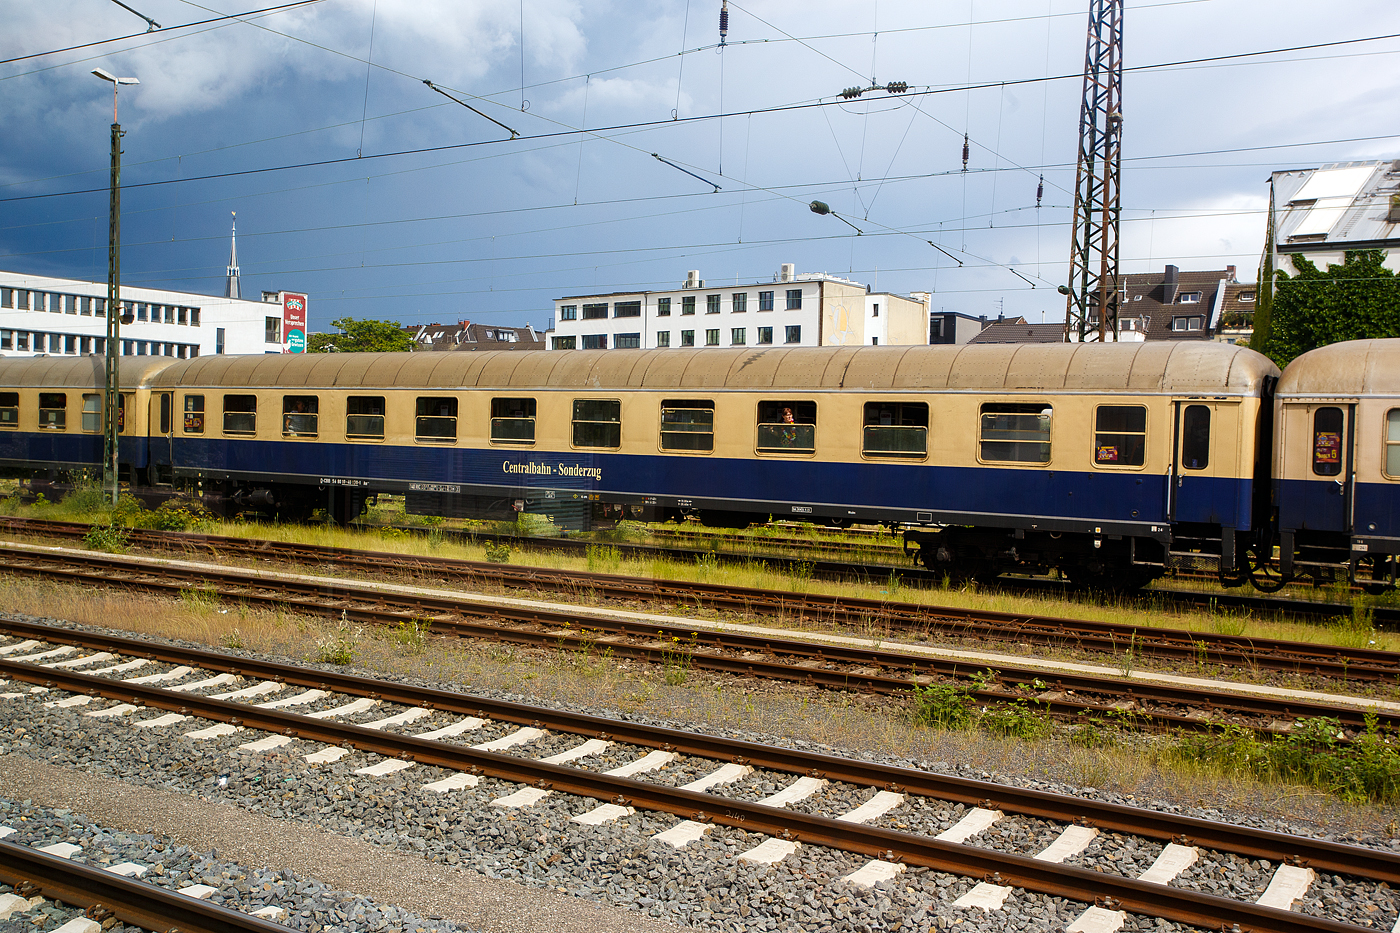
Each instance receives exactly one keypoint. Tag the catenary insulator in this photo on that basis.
(723, 21)
(1040, 191)
(966, 152)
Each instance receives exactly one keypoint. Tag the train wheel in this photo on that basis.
(1263, 573)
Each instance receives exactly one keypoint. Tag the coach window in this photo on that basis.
(437, 420)
(787, 427)
(1195, 437)
(1016, 432)
(194, 414)
(1120, 435)
(896, 429)
(299, 415)
(364, 417)
(597, 422)
(1327, 441)
(512, 421)
(1392, 434)
(688, 424)
(92, 413)
(9, 410)
(53, 411)
(240, 414)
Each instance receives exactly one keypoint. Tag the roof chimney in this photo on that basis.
(1171, 274)
(1169, 285)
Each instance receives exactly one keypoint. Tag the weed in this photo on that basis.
(338, 647)
(233, 639)
(109, 538)
(86, 498)
(498, 553)
(1093, 732)
(1356, 631)
(412, 635)
(390, 533)
(1019, 720)
(173, 516)
(676, 657)
(603, 559)
(200, 598)
(946, 705)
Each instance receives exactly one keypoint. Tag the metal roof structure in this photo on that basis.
(1340, 206)
(1357, 367)
(84, 372)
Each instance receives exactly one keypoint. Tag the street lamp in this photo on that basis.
(112, 393)
(821, 207)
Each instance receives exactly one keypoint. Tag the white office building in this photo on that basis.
(793, 310)
(68, 317)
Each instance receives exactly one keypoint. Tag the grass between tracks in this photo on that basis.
(1288, 779)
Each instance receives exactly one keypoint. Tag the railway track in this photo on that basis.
(1112, 639)
(724, 795)
(1137, 702)
(103, 894)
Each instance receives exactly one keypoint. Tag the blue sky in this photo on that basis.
(424, 211)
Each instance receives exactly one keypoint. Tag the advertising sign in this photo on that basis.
(294, 322)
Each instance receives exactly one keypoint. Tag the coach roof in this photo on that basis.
(1184, 368)
(83, 372)
(1353, 368)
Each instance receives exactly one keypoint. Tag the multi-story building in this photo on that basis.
(792, 310)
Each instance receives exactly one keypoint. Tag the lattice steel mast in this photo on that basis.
(1093, 260)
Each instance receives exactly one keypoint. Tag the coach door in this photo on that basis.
(1203, 461)
(1319, 449)
(162, 424)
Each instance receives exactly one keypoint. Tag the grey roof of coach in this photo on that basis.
(1353, 368)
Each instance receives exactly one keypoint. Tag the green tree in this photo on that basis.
(1356, 300)
(361, 336)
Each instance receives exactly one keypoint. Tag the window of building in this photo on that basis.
(364, 417)
(765, 301)
(765, 335)
(1120, 435)
(794, 298)
(92, 413)
(7, 297)
(563, 343)
(712, 337)
(240, 414)
(141, 312)
(738, 336)
(53, 411)
(85, 306)
(22, 300)
(1246, 296)
(877, 310)
(1195, 437)
(184, 316)
(568, 312)
(688, 304)
(627, 341)
(687, 338)
(712, 304)
(128, 347)
(597, 423)
(739, 302)
(194, 351)
(1016, 432)
(663, 338)
(436, 419)
(70, 304)
(1392, 437)
(70, 344)
(194, 317)
(794, 333)
(99, 307)
(663, 307)
(85, 345)
(688, 424)
(54, 342)
(219, 340)
(182, 349)
(140, 348)
(272, 330)
(7, 339)
(595, 341)
(595, 312)
(512, 421)
(1186, 323)
(22, 340)
(194, 414)
(1189, 298)
(895, 429)
(787, 427)
(9, 409)
(874, 341)
(1327, 441)
(627, 309)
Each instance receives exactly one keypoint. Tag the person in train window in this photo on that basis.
(789, 434)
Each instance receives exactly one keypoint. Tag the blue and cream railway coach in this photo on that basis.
(1104, 461)
(1337, 462)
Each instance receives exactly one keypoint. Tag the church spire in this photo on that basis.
(231, 289)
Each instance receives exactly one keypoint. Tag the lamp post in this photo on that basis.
(112, 392)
